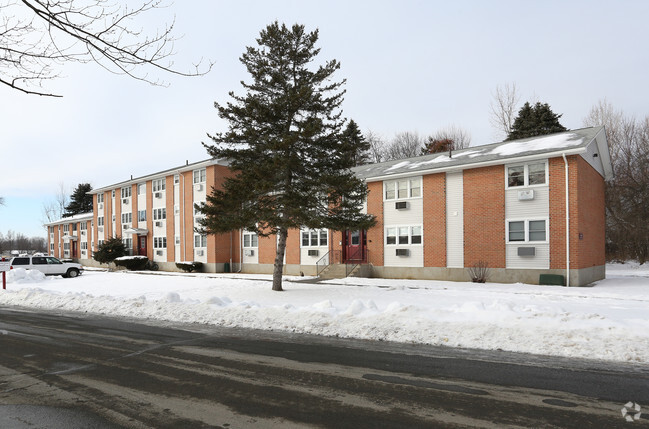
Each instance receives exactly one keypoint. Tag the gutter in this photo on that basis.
(565, 161)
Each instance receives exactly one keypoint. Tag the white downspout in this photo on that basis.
(241, 251)
(565, 161)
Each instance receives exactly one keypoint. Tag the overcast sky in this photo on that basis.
(414, 66)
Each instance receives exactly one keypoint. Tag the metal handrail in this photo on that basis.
(331, 257)
(354, 260)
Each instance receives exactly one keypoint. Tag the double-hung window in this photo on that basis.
(158, 185)
(402, 189)
(160, 214)
(199, 176)
(200, 240)
(159, 242)
(524, 231)
(527, 175)
(141, 215)
(314, 237)
(126, 192)
(403, 235)
(250, 239)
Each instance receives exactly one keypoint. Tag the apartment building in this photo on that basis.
(525, 208)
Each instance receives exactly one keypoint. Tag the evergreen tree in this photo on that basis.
(534, 121)
(80, 201)
(354, 144)
(285, 147)
(110, 250)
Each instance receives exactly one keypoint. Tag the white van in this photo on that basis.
(48, 265)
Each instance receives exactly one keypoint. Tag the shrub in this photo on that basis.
(479, 272)
(188, 267)
(110, 250)
(132, 263)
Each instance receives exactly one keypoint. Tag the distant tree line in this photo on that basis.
(17, 241)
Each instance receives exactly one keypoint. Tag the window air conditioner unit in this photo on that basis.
(403, 252)
(158, 194)
(249, 252)
(526, 195)
(125, 226)
(158, 252)
(100, 206)
(199, 187)
(100, 228)
(526, 251)
(158, 223)
(401, 205)
(83, 232)
(199, 253)
(125, 200)
(313, 252)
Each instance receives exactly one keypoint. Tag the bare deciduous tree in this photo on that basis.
(53, 210)
(37, 36)
(404, 145)
(377, 146)
(449, 138)
(503, 109)
(627, 195)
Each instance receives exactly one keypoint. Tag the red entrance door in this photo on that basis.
(74, 249)
(141, 245)
(354, 246)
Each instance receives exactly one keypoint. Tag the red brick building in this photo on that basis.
(526, 207)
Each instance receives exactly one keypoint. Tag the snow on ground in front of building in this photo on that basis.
(609, 320)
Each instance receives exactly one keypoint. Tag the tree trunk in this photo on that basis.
(279, 260)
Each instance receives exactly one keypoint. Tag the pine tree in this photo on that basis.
(354, 144)
(284, 144)
(80, 201)
(109, 250)
(534, 121)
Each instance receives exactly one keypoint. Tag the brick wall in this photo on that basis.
(484, 216)
(434, 194)
(169, 223)
(375, 234)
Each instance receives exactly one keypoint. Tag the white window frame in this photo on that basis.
(526, 175)
(526, 228)
(141, 215)
(200, 240)
(141, 188)
(200, 175)
(100, 198)
(250, 240)
(315, 237)
(393, 186)
(158, 185)
(126, 192)
(398, 232)
(100, 221)
(159, 242)
(160, 213)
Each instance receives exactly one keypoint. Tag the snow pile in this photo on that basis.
(607, 321)
(21, 275)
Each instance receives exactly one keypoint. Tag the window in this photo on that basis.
(84, 245)
(66, 246)
(83, 226)
(176, 179)
(159, 242)
(199, 176)
(404, 188)
(160, 214)
(100, 198)
(197, 212)
(158, 185)
(126, 192)
(51, 247)
(200, 240)
(100, 221)
(66, 229)
(113, 194)
(522, 231)
(127, 218)
(526, 175)
(314, 237)
(403, 235)
(141, 188)
(128, 243)
(250, 239)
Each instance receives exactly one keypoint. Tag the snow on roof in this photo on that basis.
(496, 153)
(72, 219)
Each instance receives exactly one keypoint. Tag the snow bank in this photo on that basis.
(608, 321)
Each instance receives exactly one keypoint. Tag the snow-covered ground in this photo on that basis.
(609, 320)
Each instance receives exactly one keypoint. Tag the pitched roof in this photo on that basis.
(569, 143)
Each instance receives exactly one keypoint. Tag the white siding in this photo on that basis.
(414, 259)
(455, 220)
(252, 259)
(594, 161)
(176, 219)
(537, 208)
(411, 216)
(305, 259)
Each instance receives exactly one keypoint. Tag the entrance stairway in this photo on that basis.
(339, 271)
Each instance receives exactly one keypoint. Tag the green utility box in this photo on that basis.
(226, 267)
(552, 280)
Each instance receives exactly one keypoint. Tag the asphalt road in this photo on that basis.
(70, 371)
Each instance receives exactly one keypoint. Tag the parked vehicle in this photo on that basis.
(48, 265)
